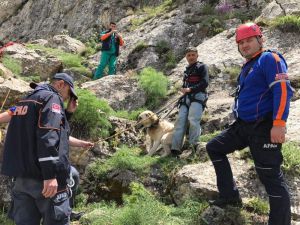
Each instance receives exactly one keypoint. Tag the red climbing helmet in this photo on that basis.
(247, 30)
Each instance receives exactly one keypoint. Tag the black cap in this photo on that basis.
(61, 76)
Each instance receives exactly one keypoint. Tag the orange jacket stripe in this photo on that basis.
(283, 100)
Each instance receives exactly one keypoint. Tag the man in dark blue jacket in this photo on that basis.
(261, 109)
(36, 153)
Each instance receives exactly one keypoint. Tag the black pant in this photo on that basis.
(267, 158)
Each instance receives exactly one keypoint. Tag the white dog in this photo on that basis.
(159, 131)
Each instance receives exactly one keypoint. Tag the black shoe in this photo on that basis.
(175, 153)
(222, 202)
(75, 216)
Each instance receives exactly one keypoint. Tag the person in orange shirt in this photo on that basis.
(111, 42)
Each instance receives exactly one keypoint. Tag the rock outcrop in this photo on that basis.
(121, 92)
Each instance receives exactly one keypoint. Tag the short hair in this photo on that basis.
(191, 49)
(113, 23)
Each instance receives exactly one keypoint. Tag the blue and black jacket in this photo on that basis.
(264, 88)
(36, 144)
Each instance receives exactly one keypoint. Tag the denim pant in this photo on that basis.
(189, 113)
(267, 158)
(107, 58)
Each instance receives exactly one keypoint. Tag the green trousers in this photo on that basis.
(107, 58)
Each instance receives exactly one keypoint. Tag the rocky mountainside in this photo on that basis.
(156, 33)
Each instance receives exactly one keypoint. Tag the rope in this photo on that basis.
(5, 100)
(134, 125)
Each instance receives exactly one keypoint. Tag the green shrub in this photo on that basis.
(124, 159)
(91, 117)
(258, 206)
(162, 47)
(171, 61)
(233, 72)
(291, 158)
(289, 23)
(14, 65)
(155, 85)
(140, 46)
(207, 9)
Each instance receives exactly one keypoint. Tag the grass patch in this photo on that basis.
(33, 78)
(155, 85)
(4, 219)
(291, 159)
(140, 46)
(143, 208)
(258, 206)
(289, 23)
(166, 54)
(148, 13)
(90, 120)
(69, 60)
(208, 137)
(129, 115)
(124, 159)
(14, 65)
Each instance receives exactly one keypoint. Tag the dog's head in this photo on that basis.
(147, 119)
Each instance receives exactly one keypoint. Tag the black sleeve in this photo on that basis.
(48, 136)
(202, 71)
(68, 115)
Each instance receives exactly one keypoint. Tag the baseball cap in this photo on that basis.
(61, 76)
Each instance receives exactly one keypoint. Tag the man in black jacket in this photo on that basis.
(192, 103)
(36, 154)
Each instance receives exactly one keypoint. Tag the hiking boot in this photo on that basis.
(175, 153)
(75, 216)
(222, 202)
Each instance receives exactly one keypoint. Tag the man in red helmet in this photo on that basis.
(261, 109)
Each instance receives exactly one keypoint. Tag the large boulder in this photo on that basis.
(14, 89)
(121, 92)
(199, 180)
(33, 63)
(66, 43)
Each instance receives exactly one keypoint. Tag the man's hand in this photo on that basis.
(278, 134)
(87, 144)
(72, 105)
(185, 90)
(50, 188)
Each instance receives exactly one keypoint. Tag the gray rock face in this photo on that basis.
(121, 92)
(43, 18)
(9, 8)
